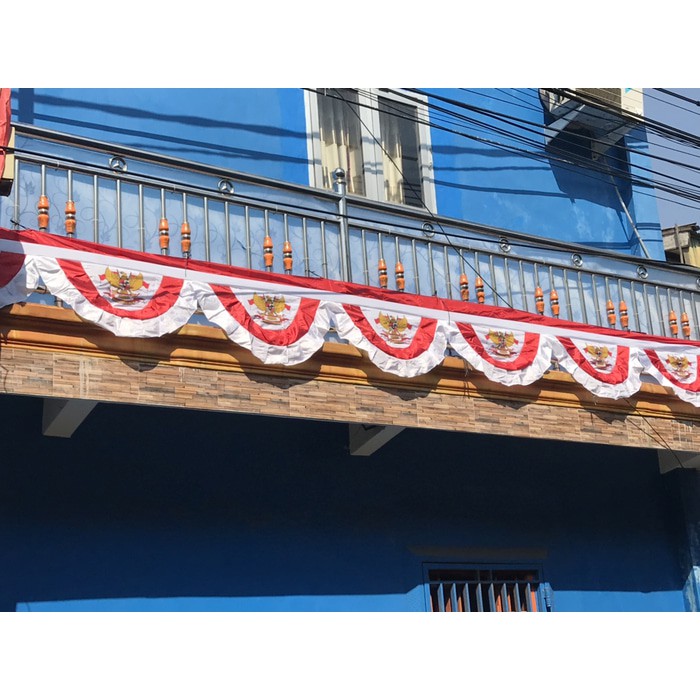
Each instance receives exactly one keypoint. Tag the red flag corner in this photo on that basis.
(6, 171)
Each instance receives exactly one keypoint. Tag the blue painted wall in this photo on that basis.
(156, 509)
(479, 176)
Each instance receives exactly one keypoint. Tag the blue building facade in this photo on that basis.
(147, 508)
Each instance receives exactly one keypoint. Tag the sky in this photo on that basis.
(685, 116)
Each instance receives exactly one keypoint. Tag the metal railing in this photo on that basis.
(123, 197)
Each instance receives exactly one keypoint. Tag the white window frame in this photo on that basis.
(372, 156)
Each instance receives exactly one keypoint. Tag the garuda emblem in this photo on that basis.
(679, 365)
(271, 308)
(502, 343)
(124, 287)
(599, 356)
(394, 328)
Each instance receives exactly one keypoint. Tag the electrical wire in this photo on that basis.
(569, 162)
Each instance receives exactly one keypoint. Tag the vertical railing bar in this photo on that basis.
(620, 298)
(207, 250)
(142, 224)
(433, 287)
(694, 311)
(492, 598)
(567, 293)
(635, 308)
(96, 209)
(668, 301)
(492, 286)
(397, 249)
(305, 245)
(504, 597)
(248, 238)
(528, 597)
(365, 262)
(441, 597)
(523, 291)
(596, 301)
(662, 321)
(448, 277)
(227, 231)
(118, 184)
(16, 195)
(453, 597)
(266, 220)
(416, 274)
(516, 596)
(648, 308)
(285, 217)
(324, 260)
(506, 274)
(581, 297)
(465, 597)
(479, 598)
(69, 185)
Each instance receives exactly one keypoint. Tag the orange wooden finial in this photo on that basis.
(685, 324)
(624, 316)
(268, 255)
(612, 319)
(539, 300)
(70, 218)
(43, 212)
(164, 235)
(383, 277)
(464, 286)
(554, 303)
(185, 239)
(400, 281)
(479, 284)
(287, 258)
(673, 323)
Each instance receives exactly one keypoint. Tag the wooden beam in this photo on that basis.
(365, 440)
(62, 417)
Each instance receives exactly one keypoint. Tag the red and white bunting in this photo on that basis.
(120, 295)
(510, 357)
(397, 342)
(605, 368)
(676, 368)
(284, 319)
(278, 328)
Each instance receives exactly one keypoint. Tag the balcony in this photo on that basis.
(135, 200)
(231, 225)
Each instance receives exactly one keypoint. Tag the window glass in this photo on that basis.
(341, 139)
(399, 138)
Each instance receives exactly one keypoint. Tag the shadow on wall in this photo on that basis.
(150, 130)
(157, 503)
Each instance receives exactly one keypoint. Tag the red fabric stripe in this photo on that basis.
(421, 340)
(5, 124)
(10, 265)
(528, 352)
(299, 327)
(165, 297)
(619, 373)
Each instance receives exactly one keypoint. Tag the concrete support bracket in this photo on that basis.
(365, 440)
(62, 417)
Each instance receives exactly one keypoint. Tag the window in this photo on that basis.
(381, 140)
(488, 590)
